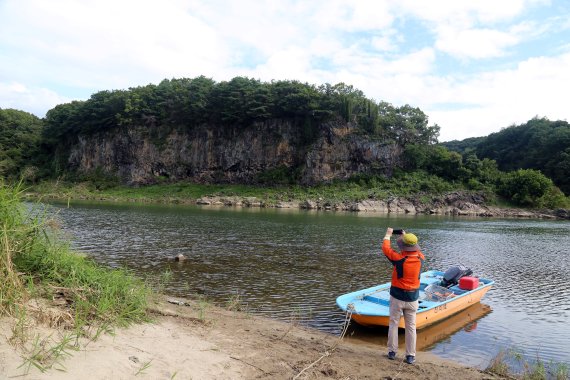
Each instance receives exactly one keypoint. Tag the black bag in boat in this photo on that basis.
(452, 275)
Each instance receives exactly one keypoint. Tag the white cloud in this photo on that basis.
(99, 37)
(34, 100)
(51, 51)
(467, 13)
(419, 62)
(538, 86)
(457, 25)
(350, 15)
(383, 43)
(292, 64)
(474, 43)
(368, 14)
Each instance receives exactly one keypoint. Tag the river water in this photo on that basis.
(292, 264)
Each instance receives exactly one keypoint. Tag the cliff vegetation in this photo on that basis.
(274, 135)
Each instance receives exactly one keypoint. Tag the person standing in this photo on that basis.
(404, 290)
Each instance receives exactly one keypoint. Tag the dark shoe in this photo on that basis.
(410, 359)
(391, 355)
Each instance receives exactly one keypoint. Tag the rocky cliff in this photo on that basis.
(141, 155)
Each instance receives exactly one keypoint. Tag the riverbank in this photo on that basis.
(194, 340)
(62, 308)
(454, 204)
(340, 197)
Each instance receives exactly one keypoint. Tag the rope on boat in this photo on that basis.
(348, 316)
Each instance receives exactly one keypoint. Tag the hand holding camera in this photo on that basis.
(391, 231)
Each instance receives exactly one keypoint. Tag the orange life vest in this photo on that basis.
(406, 273)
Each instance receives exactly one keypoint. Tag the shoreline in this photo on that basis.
(457, 206)
(450, 204)
(188, 339)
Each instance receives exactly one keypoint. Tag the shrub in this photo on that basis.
(525, 187)
(280, 175)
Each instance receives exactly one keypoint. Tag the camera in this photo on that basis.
(398, 232)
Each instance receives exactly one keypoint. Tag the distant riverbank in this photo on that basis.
(340, 197)
(455, 204)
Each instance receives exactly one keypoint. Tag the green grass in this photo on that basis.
(143, 368)
(355, 189)
(178, 192)
(96, 293)
(46, 354)
(36, 263)
(512, 363)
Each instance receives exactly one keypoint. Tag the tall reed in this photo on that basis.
(14, 239)
(32, 253)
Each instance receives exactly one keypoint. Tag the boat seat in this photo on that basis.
(457, 290)
(428, 281)
(378, 300)
(425, 304)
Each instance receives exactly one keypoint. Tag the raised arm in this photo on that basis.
(391, 254)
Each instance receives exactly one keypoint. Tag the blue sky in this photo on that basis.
(473, 67)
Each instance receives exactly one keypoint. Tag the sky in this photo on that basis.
(474, 67)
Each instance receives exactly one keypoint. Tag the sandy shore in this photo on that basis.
(188, 341)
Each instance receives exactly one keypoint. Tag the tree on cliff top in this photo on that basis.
(407, 125)
(187, 103)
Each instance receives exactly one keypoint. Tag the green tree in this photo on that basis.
(20, 134)
(102, 111)
(525, 187)
(463, 146)
(435, 160)
(293, 99)
(539, 144)
(140, 106)
(406, 125)
(196, 102)
(239, 101)
(62, 120)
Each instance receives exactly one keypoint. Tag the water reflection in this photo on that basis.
(290, 264)
(465, 320)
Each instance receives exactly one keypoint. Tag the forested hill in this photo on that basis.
(19, 140)
(463, 146)
(238, 103)
(538, 144)
(245, 131)
(232, 131)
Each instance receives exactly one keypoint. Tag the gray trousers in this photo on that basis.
(409, 310)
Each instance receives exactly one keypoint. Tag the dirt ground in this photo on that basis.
(188, 341)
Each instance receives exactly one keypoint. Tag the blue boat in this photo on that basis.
(370, 307)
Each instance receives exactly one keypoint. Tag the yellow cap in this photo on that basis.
(409, 239)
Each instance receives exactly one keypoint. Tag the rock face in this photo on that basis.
(221, 155)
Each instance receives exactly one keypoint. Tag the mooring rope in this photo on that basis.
(348, 316)
(399, 369)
